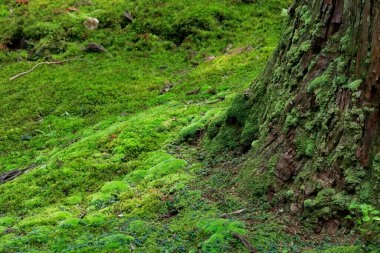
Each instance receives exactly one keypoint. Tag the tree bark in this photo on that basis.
(313, 115)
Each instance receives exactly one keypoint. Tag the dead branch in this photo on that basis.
(235, 212)
(39, 64)
(246, 243)
(10, 175)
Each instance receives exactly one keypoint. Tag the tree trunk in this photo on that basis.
(312, 117)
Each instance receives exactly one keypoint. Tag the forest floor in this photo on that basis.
(112, 142)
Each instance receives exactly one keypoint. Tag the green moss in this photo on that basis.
(308, 203)
(238, 111)
(39, 235)
(114, 187)
(50, 218)
(291, 120)
(305, 46)
(318, 83)
(341, 249)
(74, 200)
(165, 168)
(2, 229)
(216, 243)
(222, 226)
(101, 199)
(139, 227)
(135, 176)
(34, 202)
(214, 126)
(70, 223)
(85, 132)
(7, 221)
(191, 131)
(250, 131)
(305, 145)
(116, 241)
(354, 86)
(95, 220)
(221, 231)
(228, 138)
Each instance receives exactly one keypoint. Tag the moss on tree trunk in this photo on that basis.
(310, 121)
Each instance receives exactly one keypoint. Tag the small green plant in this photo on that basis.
(367, 221)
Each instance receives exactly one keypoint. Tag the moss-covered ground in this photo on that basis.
(111, 139)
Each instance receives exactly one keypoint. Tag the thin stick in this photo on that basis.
(39, 64)
(245, 242)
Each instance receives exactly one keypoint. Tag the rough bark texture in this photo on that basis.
(317, 108)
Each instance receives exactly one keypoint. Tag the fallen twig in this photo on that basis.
(39, 64)
(235, 212)
(96, 48)
(10, 175)
(246, 243)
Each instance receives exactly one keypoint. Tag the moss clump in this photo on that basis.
(191, 131)
(255, 180)
(138, 227)
(7, 221)
(74, 200)
(116, 241)
(39, 235)
(354, 86)
(70, 223)
(165, 168)
(250, 131)
(305, 145)
(318, 82)
(216, 243)
(292, 119)
(49, 218)
(238, 111)
(101, 199)
(95, 220)
(341, 249)
(221, 231)
(135, 177)
(114, 187)
(228, 138)
(214, 126)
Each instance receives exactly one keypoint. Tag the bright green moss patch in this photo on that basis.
(305, 145)
(74, 200)
(222, 226)
(95, 220)
(165, 168)
(116, 241)
(50, 217)
(39, 235)
(221, 231)
(101, 199)
(318, 83)
(135, 176)
(353, 86)
(114, 187)
(2, 229)
(70, 223)
(7, 221)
